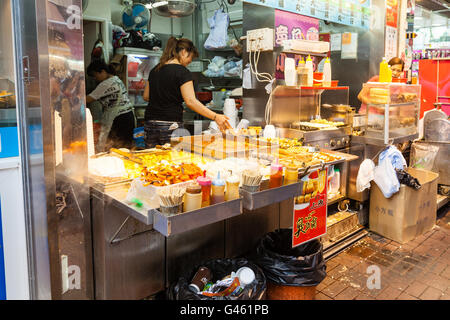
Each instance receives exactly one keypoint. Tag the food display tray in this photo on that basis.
(256, 200)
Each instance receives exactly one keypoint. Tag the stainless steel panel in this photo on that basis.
(179, 223)
(442, 161)
(133, 266)
(258, 200)
(286, 214)
(187, 250)
(243, 232)
(36, 192)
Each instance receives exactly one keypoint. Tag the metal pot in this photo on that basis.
(175, 8)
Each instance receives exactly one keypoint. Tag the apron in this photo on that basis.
(108, 118)
(160, 132)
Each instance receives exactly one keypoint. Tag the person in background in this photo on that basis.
(118, 120)
(169, 84)
(397, 66)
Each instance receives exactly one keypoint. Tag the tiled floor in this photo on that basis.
(417, 270)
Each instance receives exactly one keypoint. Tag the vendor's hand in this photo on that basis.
(222, 122)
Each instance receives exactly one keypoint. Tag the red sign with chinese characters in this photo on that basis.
(392, 13)
(310, 209)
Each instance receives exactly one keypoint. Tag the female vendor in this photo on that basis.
(169, 84)
(397, 65)
(118, 120)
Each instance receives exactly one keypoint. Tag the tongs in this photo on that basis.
(126, 155)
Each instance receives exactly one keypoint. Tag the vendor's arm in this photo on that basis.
(188, 93)
(146, 95)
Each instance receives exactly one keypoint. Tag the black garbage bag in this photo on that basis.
(302, 266)
(407, 179)
(221, 268)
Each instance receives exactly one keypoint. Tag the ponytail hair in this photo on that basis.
(99, 66)
(173, 48)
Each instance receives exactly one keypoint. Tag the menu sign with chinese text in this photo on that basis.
(288, 26)
(348, 12)
(310, 209)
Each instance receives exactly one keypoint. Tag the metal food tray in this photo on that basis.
(256, 200)
(169, 225)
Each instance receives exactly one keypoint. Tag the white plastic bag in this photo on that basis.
(218, 37)
(365, 175)
(386, 178)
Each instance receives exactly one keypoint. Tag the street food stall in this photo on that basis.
(129, 220)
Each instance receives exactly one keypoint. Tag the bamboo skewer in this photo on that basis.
(251, 178)
(171, 197)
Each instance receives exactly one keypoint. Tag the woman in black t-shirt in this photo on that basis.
(169, 84)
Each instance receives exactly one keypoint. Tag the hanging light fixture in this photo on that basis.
(173, 8)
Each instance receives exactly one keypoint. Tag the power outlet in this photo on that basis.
(260, 39)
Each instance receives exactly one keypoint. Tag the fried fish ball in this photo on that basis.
(307, 198)
(315, 185)
(301, 199)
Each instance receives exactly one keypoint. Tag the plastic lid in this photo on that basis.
(337, 170)
(218, 181)
(194, 188)
(276, 165)
(204, 180)
(233, 179)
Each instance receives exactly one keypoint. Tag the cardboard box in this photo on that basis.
(408, 213)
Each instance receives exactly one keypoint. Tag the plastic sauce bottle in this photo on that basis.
(232, 192)
(276, 175)
(310, 71)
(205, 184)
(302, 75)
(327, 73)
(193, 197)
(290, 175)
(384, 76)
(218, 190)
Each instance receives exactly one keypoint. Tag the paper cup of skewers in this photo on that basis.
(171, 200)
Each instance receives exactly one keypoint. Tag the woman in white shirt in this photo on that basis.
(118, 120)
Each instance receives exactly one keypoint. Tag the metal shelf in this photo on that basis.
(305, 53)
(256, 200)
(140, 51)
(169, 225)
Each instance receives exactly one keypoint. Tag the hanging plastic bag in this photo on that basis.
(218, 37)
(394, 156)
(365, 175)
(423, 156)
(386, 178)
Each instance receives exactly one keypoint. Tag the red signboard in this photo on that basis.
(391, 13)
(310, 209)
